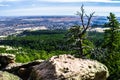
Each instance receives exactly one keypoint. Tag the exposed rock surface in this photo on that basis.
(6, 59)
(23, 70)
(63, 67)
(7, 62)
(8, 76)
(66, 67)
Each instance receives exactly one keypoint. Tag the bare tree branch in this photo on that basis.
(81, 14)
(78, 32)
(88, 23)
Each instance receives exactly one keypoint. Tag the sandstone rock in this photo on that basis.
(8, 76)
(22, 70)
(25, 69)
(67, 67)
(8, 56)
(12, 65)
(6, 59)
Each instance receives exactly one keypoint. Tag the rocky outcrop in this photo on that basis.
(67, 67)
(6, 59)
(8, 76)
(62, 67)
(23, 70)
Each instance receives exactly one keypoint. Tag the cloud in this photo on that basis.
(107, 1)
(42, 11)
(64, 7)
(100, 11)
(4, 5)
(11, 0)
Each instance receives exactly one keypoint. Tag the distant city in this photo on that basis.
(13, 25)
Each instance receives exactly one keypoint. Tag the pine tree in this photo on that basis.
(112, 35)
(112, 44)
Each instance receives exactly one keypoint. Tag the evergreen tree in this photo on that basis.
(112, 35)
(110, 53)
(112, 44)
(77, 34)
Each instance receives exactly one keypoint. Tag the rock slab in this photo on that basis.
(67, 67)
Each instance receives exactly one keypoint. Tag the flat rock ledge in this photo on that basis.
(67, 67)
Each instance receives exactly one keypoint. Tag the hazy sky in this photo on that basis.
(57, 7)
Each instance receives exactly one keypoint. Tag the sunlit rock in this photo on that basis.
(67, 67)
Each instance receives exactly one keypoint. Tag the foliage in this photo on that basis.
(113, 64)
(41, 45)
(77, 34)
(109, 52)
(112, 35)
(2, 49)
(111, 60)
(112, 44)
(33, 45)
(96, 38)
(43, 41)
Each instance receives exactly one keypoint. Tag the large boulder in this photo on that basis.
(8, 76)
(67, 67)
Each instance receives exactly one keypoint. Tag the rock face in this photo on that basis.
(62, 67)
(8, 76)
(66, 67)
(23, 70)
(6, 59)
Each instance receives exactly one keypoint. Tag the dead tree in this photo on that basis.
(77, 33)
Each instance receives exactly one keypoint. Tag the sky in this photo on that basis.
(58, 7)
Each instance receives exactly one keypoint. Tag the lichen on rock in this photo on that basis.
(8, 76)
(67, 67)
